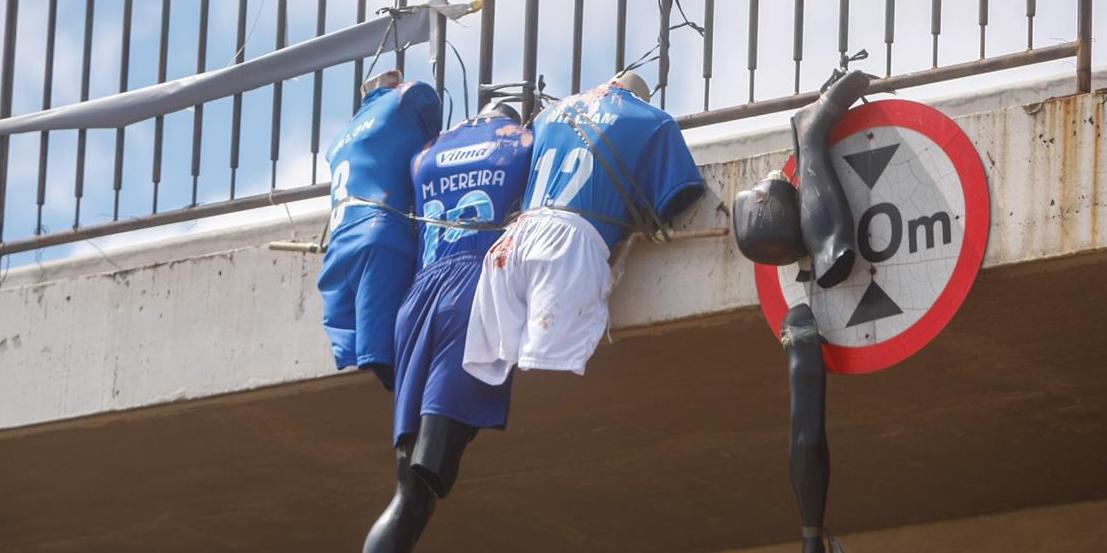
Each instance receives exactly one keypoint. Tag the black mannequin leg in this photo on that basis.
(809, 456)
(428, 466)
(825, 216)
(437, 455)
(401, 523)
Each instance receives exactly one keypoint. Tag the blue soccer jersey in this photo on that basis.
(635, 140)
(476, 171)
(370, 260)
(370, 158)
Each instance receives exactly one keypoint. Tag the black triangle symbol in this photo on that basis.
(870, 164)
(875, 304)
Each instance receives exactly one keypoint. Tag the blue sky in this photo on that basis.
(1055, 23)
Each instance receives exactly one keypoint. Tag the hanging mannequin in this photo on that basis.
(433, 393)
(777, 225)
(606, 164)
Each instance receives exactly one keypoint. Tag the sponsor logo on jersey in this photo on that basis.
(465, 154)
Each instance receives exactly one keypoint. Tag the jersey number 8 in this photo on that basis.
(339, 193)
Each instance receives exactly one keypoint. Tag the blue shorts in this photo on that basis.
(367, 269)
(430, 344)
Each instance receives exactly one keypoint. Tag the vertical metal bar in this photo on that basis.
(82, 134)
(47, 94)
(1031, 11)
(400, 56)
(530, 52)
(982, 20)
(843, 28)
(487, 40)
(663, 50)
(7, 75)
(1084, 53)
(278, 95)
(708, 49)
(935, 28)
(889, 34)
(120, 133)
(440, 55)
(797, 40)
(198, 115)
(620, 35)
(578, 32)
(317, 99)
(159, 121)
(236, 117)
(359, 64)
(751, 61)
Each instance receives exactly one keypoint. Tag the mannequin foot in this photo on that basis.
(813, 545)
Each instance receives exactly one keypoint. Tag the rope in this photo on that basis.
(653, 227)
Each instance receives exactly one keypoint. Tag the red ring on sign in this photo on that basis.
(944, 132)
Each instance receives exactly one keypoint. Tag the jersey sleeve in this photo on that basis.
(667, 172)
(422, 101)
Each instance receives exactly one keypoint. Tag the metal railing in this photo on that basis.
(1079, 48)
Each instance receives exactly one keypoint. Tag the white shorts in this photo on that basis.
(541, 301)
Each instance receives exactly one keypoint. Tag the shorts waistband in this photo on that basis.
(567, 217)
(452, 260)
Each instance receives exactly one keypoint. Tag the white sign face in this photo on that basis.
(908, 208)
(919, 197)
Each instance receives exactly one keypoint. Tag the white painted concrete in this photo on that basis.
(217, 313)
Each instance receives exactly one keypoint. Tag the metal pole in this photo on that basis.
(578, 38)
(359, 64)
(935, 28)
(982, 20)
(278, 97)
(843, 28)
(797, 41)
(889, 34)
(708, 49)
(236, 116)
(1084, 53)
(120, 133)
(487, 41)
(663, 51)
(440, 56)
(198, 116)
(530, 52)
(1031, 11)
(47, 95)
(400, 58)
(317, 92)
(7, 75)
(751, 61)
(620, 35)
(159, 121)
(82, 134)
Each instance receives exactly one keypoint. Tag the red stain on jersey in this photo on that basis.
(501, 250)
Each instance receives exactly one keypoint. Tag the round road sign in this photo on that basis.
(920, 205)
